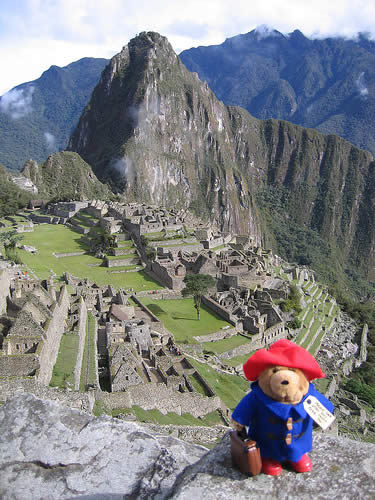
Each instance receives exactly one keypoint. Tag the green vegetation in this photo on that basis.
(364, 391)
(230, 388)
(63, 371)
(179, 318)
(197, 285)
(49, 239)
(156, 417)
(293, 303)
(102, 242)
(88, 370)
(12, 198)
(58, 98)
(65, 176)
(220, 346)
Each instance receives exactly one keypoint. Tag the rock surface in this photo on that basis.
(48, 451)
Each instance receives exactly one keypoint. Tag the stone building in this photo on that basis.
(37, 321)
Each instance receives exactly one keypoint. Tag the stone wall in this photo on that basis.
(145, 309)
(95, 353)
(212, 337)
(81, 345)
(122, 262)
(163, 274)
(4, 289)
(363, 348)
(9, 386)
(18, 365)
(68, 254)
(54, 328)
(218, 309)
(158, 396)
(331, 388)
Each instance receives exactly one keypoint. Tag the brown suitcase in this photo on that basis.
(245, 455)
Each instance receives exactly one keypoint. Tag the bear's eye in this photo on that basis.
(274, 370)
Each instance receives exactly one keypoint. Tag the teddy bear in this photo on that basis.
(277, 411)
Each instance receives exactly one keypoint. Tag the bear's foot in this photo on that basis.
(303, 465)
(271, 467)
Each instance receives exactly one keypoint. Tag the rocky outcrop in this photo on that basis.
(48, 451)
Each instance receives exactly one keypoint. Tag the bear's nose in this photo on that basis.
(285, 382)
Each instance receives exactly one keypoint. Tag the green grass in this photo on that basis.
(63, 371)
(156, 417)
(230, 388)
(238, 360)
(124, 244)
(224, 345)
(123, 257)
(82, 223)
(180, 318)
(197, 385)
(90, 337)
(123, 268)
(49, 238)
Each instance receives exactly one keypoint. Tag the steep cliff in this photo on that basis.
(159, 134)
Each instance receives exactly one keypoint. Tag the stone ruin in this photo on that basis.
(35, 318)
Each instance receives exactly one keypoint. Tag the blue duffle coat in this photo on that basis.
(267, 422)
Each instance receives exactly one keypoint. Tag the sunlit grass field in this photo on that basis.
(180, 317)
(49, 239)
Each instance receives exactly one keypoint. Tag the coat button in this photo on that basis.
(289, 424)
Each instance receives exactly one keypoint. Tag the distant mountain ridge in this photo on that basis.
(327, 84)
(159, 135)
(37, 118)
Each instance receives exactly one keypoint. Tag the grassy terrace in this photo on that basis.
(180, 317)
(63, 371)
(122, 257)
(84, 215)
(156, 417)
(89, 351)
(49, 239)
(81, 222)
(230, 388)
(238, 360)
(125, 244)
(224, 345)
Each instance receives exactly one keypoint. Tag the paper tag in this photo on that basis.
(318, 412)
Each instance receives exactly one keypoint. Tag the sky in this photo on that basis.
(35, 34)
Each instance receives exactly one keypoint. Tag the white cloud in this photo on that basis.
(17, 102)
(125, 167)
(37, 33)
(50, 141)
(361, 85)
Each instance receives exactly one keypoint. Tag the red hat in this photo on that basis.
(282, 353)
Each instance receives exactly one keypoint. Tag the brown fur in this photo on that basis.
(283, 384)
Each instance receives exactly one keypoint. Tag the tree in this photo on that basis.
(102, 243)
(197, 285)
(10, 238)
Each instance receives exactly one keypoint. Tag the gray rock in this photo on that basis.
(342, 470)
(49, 451)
